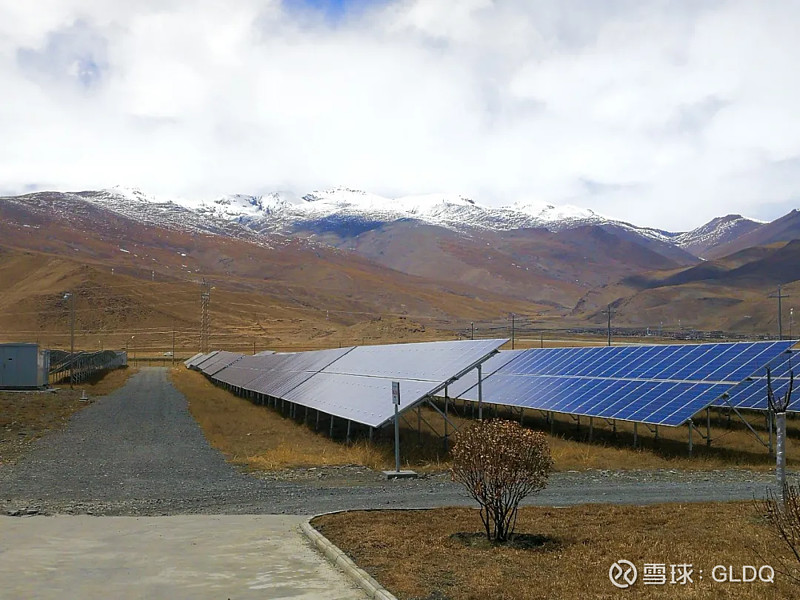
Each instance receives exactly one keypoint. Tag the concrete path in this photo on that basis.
(193, 557)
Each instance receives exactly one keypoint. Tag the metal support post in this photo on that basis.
(591, 428)
(349, 423)
(480, 393)
(691, 427)
(635, 435)
(419, 423)
(446, 406)
(552, 423)
(708, 427)
(396, 402)
(330, 433)
(316, 424)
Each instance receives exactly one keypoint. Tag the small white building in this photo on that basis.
(23, 366)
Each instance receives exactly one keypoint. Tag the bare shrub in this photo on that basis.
(784, 516)
(500, 463)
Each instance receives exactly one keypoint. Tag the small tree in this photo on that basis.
(500, 463)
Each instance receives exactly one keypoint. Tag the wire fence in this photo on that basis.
(79, 366)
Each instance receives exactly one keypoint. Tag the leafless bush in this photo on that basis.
(500, 463)
(784, 516)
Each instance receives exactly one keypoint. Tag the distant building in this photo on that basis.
(23, 366)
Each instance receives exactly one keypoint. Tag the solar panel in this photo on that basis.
(358, 386)
(222, 360)
(205, 359)
(245, 370)
(190, 361)
(661, 385)
(469, 381)
(290, 370)
(752, 392)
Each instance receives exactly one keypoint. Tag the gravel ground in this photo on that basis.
(138, 451)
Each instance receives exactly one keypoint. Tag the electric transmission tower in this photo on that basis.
(205, 299)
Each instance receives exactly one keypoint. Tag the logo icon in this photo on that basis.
(623, 574)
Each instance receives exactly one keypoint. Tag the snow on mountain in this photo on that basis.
(285, 213)
(714, 233)
(548, 213)
(347, 212)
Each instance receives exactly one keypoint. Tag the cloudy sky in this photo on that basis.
(664, 113)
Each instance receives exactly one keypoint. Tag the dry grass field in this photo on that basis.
(27, 416)
(561, 552)
(262, 439)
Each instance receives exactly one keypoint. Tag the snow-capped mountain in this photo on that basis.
(347, 213)
(283, 212)
(715, 233)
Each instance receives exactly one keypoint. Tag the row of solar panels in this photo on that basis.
(658, 385)
(353, 383)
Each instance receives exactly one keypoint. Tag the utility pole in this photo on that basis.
(609, 312)
(780, 296)
(205, 299)
(513, 316)
(472, 336)
(791, 321)
(173, 344)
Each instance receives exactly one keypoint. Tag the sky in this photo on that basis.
(663, 113)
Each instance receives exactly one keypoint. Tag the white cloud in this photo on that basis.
(662, 113)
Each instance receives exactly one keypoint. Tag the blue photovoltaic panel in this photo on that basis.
(358, 386)
(469, 381)
(752, 393)
(662, 385)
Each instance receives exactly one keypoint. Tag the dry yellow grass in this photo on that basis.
(419, 554)
(262, 439)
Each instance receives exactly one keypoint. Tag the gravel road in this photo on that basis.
(138, 451)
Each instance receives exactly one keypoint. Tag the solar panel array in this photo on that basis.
(220, 361)
(659, 385)
(353, 383)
